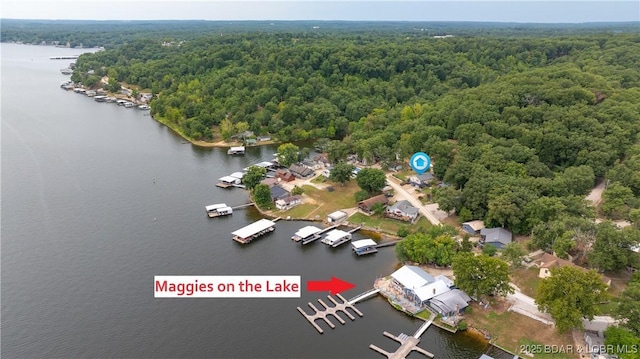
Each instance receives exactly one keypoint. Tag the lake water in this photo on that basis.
(97, 199)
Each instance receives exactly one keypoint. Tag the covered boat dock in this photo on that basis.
(336, 238)
(364, 246)
(307, 234)
(254, 230)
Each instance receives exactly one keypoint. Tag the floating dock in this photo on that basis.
(364, 246)
(333, 311)
(336, 237)
(248, 233)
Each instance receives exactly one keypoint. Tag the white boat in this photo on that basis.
(90, 93)
(144, 107)
(336, 237)
(66, 71)
(218, 209)
(129, 104)
(100, 98)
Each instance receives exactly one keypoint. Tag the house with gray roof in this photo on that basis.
(421, 180)
(449, 303)
(497, 237)
(402, 210)
(277, 192)
(301, 171)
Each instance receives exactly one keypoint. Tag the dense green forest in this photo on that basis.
(520, 122)
(112, 33)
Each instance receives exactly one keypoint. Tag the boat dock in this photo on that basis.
(306, 234)
(308, 238)
(239, 150)
(407, 343)
(218, 209)
(364, 246)
(336, 237)
(248, 233)
(333, 311)
(65, 57)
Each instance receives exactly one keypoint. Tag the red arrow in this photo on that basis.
(335, 285)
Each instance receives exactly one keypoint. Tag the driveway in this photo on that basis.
(403, 193)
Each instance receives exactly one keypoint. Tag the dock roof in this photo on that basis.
(363, 243)
(229, 179)
(307, 231)
(237, 175)
(253, 228)
(215, 206)
(336, 234)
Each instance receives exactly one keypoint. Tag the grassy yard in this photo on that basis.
(327, 202)
(526, 279)
(511, 330)
(377, 221)
(303, 211)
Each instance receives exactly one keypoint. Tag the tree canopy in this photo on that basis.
(520, 123)
(371, 180)
(481, 275)
(435, 246)
(253, 176)
(569, 295)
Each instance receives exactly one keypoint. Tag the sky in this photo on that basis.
(544, 11)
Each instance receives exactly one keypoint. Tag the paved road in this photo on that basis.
(525, 305)
(401, 192)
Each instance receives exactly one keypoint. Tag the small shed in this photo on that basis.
(336, 217)
(473, 227)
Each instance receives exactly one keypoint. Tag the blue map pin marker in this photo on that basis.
(420, 162)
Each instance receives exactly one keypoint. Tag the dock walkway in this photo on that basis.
(354, 230)
(423, 328)
(388, 244)
(243, 205)
(365, 295)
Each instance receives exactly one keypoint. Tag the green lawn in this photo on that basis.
(526, 279)
(377, 221)
(302, 211)
(513, 331)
